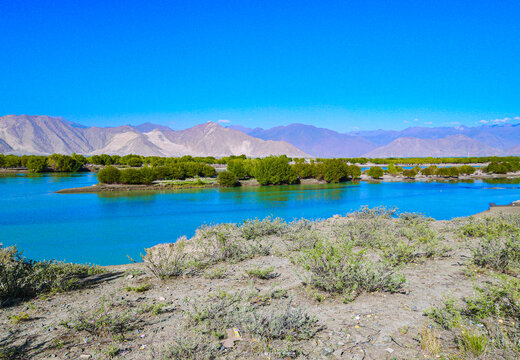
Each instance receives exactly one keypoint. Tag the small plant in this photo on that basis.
(20, 317)
(155, 309)
(430, 342)
(472, 342)
(192, 347)
(166, 260)
(338, 268)
(288, 323)
(139, 288)
(215, 273)
(112, 351)
(103, 322)
(448, 315)
(265, 274)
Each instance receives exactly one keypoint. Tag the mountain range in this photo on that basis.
(26, 134)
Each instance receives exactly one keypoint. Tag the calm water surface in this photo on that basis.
(105, 228)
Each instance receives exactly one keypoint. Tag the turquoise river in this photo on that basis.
(105, 228)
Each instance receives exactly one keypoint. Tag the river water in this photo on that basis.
(104, 228)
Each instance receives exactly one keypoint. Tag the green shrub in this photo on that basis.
(274, 170)
(227, 179)
(36, 164)
(409, 173)
(447, 315)
(375, 172)
(238, 167)
(448, 171)
(466, 170)
(109, 175)
(64, 163)
(429, 171)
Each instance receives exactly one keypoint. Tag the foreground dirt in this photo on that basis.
(373, 326)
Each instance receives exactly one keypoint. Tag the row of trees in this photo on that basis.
(38, 164)
(277, 170)
(147, 175)
(431, 160)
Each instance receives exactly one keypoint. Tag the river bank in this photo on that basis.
(269, 299)
(166, 186)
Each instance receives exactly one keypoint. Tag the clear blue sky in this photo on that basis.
(338, 64)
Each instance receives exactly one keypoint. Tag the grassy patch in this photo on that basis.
(259, 273)
(20, 317)
(139, 288)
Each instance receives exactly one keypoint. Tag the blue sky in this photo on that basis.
(338, 64)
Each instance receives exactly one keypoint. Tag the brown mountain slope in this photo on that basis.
(457, 145)
(209, 138)
(26, 134)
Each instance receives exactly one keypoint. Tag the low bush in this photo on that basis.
(24, 278)
(227, 179)
(225, 242)
(166, 260)
(375, 172)
(339, 269)
(287, 323)
(109, 175)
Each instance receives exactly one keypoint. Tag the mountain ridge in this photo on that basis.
(43, 135)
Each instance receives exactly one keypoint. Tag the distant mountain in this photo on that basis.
(502, 136)
(147, 127)
(26, 134)
(317, 141)
(241, 128)
(455, 145)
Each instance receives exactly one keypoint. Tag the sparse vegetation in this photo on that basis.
(259, 273)
(24, 278)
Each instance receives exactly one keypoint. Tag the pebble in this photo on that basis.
(85, 356)
(327, 351)
(130, 277)
(162, 298)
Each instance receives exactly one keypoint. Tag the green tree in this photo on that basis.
(36, 164)
(63, 163)
(410, 173)
(375, 172)
(238, 167)
(109, 175)
(274, 170)
(353, 171)
(131, 176)
(466, 169)
(227, 179)
(335, 171)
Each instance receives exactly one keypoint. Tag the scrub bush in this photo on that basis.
(23, 278)
(375, 172)
(109, 175)
(227, 179)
